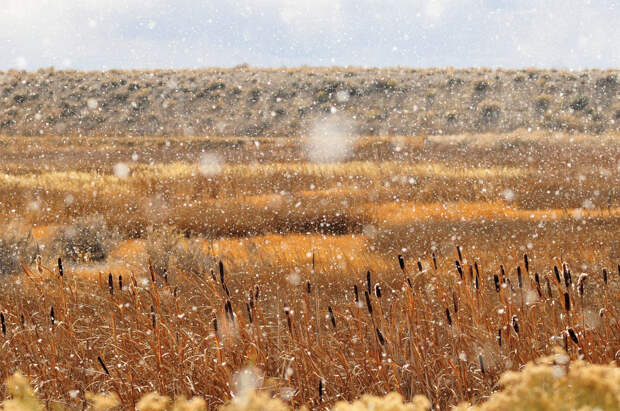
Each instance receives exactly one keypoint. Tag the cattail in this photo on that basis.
(120, 282)
(499, 337)
(503, 273)
(476, 268)
(471, 272)
(368, 303)
(566, 302)
(111, 283)
(557, 274)
(229, 310)
(458, 253)
(313, 261)
(459, 269)
(496, 281)
(256, 292)
(581, 283)
(356, 294)
(605, 276)
(380, 337)
(165, 275)
(549, 288)
(420, 265)
(481, 363)
(289, 323)
(251, 299)
(247, 307)
(213, 275)
(567, 277)
(215, 324)
(527, 263)
(221, 267)
(448, 317)
(23, 319)
(573, 336)
(52, 316)
(477, 283)
(60, 270)
(618, 270)
(519, 276)
(331, 316)
(175, 292)
(515, 323)
(105, 369)
(401, 262)
(153, 317)
(308, 287)
(3, 324)
(377, 290)
(435, 261)
(321, 391)
(39, 265)
(368, 282)
(409, 282)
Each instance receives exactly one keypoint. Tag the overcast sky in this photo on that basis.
(104, 34)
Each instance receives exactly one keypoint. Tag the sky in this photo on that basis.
(128, 34)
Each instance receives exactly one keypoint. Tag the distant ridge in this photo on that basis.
(245, 101)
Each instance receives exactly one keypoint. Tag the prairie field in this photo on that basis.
(426, 266)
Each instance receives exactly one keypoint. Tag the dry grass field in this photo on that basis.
(207, 267)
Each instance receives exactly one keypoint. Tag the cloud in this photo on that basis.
(95, 34)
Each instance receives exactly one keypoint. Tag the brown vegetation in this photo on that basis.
(287, 102)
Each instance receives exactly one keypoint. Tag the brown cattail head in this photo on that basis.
(331, 316)
(321, 391)
(455, 302)
(120, 282)
(477, 282)
(215, 324)
(221, 267)
(499, 337)
(519, 276)
(526, 261)
(515, 323)
(481, 364)
(420, 265)
(111, 283)
(581, 283)
(434, 261)
(401, 262)
(605, 276)
(368, 303)
(153, 317)
(459, 269)
(249, 310)
(356, 294)
(458, 253)
(308, 287)
(502, 272)
(573, 336)
(448, 317)
(566, 301)
(556, 272)
(52, 315)
(549, 293)
(380, 337)
(60, 270)
(3, 324)
(368, 282)
(105, 369)
(496, 281)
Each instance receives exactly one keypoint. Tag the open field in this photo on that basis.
(259, 259)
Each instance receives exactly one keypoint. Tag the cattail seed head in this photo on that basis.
(519, 276)
(401, 262)
(458, 253)
(605, 276)
(52, 315)
(527, 263)
(368, 303)
(380, 337)
(356, 294)
(566, 302)
(105, 369)
(60, 270)
(331, 316)
(573, 336)
(308, 287)
(120, 282)
(448, 317)
(111, 283)
(557, 274)
(459, 269)
(3, 324)
(434, 261)
(481, 364)
(515, 323)
(420, 265)
(368, 282)
(496, 281)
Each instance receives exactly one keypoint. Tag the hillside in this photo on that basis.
(244, 101)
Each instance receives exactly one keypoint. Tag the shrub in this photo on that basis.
(481, 86)
(490, 109)
(87, 239)
(14, 248)
(542, 102)
(579, 103)
(167, 249)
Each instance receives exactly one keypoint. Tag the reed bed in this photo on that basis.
(445, 327)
